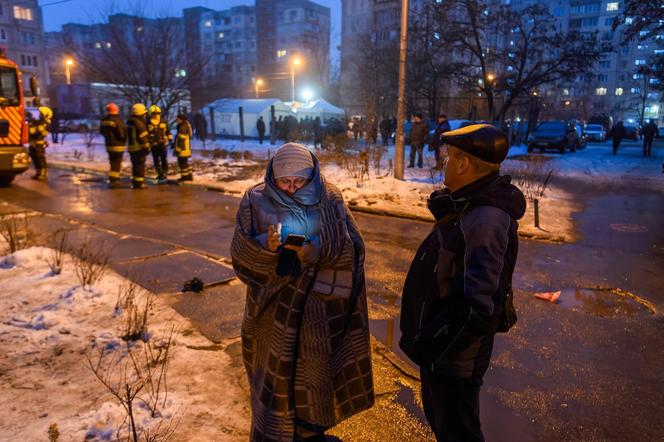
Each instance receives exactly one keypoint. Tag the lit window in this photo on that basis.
(281, 53)
(97, 45)
(108, 44)
(619, 91)
(208, 23)
(635, 90)
(221, 35)
(612, 6)
(600, 91)
(658, 51)
(22, 13)
(637, 76)
(629, 20)
(640, 62)
(641, 47)
(565, 91)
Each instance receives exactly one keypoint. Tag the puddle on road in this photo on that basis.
(605, 302)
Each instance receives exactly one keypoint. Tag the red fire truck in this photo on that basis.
(14, 157)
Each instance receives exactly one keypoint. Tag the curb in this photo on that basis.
(355, 208)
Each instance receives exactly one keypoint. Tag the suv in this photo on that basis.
(595, 132)
(559, 135)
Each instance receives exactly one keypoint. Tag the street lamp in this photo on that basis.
(68, 64)
(258, 84)
(294, 62)
(307, 94)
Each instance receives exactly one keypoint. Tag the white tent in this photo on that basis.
(226, 113)
(319, 108)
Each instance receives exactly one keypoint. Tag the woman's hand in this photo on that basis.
(273, 238)
(303, 252)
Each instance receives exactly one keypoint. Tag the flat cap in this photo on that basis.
(479, 140)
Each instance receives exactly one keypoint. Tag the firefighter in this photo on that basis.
(182, 148)
(37, 133)
(115, 135)
(160, 137)
(138, 144)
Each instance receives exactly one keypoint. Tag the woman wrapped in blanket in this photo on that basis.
(305, 333)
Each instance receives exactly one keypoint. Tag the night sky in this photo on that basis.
(58, 12)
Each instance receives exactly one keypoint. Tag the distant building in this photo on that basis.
(22, 39)
(226, 40)
(290, 29)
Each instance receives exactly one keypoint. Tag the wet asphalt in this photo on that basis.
(586, 369)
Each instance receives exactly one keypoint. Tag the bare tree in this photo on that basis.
(144, 58)
(506, 53)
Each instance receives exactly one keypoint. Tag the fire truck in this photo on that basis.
(14, 157)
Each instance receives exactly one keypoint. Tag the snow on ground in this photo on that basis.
(47, 324)
(236, 165)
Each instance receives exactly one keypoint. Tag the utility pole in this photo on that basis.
(401, 105)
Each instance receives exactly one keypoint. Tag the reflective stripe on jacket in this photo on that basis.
(159, 134)
(137, 134)
(115, 133)
(183, 140)
(37, 133)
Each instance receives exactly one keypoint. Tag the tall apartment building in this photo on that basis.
(290, 29)
(226, 43)
(22, 39)
(613, 88)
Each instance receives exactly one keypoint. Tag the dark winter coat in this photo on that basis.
(137, 134)
(618, 132)
(650, 131)
(464, 267)
(440, 129)
(260, 126)
(114, 132)
(159, 133)
(419, 132)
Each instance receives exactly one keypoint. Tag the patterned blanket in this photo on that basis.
(305, 339)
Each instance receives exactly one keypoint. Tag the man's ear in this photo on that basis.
(464, 165)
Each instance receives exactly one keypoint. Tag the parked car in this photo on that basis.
(631, 132)
(595, 132)
(80, 125)
(559, 135)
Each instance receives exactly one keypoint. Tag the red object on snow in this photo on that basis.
(548, 296)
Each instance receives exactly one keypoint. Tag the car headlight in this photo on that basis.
(21, 158)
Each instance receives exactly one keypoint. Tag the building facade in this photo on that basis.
(293, 41)
(22, 39)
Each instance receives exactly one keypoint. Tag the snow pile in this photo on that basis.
(48, 324)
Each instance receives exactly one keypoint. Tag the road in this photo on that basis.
(589, 371)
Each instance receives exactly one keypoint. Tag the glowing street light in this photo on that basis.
(68, 64)
(307, 94)
(490, 78)
(294, 62)
(258, 83)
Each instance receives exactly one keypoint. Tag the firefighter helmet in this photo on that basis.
(154, 109)
(138, 109)
(112, 109)
(46, 113)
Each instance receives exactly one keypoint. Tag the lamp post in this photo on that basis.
(258, 84)
(295, 62)
(68, 64)
(401, 102)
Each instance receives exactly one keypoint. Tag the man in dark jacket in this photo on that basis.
(454, 297)
(650, 131)
(260, 127)
(385, 131)
(115, 136)
(138, 144)
(418, 136)
(617, 133)
(435, 144)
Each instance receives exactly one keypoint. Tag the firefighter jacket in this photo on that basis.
(159, 134)
(183, 140)
(115, 133)
(37, 132)
(137, 134)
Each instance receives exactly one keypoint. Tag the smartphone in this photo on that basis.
(294, 240)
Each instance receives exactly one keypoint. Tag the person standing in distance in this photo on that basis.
(138, 144)
(114, 132)
(458, 290)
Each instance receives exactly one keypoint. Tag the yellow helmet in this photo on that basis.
(138, 109)
(154, 109)
(46, 112)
